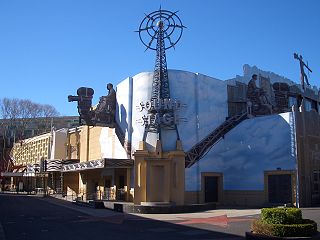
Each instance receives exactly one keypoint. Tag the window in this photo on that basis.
(139, 175)
(307, 105)
(292, 101)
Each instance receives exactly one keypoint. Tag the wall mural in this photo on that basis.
(254, 146)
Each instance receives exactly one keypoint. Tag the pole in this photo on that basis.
(294, 116)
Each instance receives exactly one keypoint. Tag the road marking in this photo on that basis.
(2, 236)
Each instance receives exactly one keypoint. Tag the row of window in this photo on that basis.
(31, 152)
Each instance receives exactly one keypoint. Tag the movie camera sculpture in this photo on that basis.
(101, 115)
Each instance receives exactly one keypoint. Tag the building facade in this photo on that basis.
(18, 130)
(229, 151)
(250, 156)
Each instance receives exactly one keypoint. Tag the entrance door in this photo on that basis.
(315, 192)
(279, 188)
(211, 189)
(157, 182)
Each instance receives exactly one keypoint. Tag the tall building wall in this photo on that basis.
(59, 144)
(242, 156)
(31, 150)
(45, 146)
(308, 151)
(204, 101)
(96, 143)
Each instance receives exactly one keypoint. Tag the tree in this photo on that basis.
(16, 116)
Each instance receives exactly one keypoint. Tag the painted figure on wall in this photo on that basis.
(259, 102)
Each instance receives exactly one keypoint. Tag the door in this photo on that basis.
(211, 189)
(315, 192)
(158, 193)
(279, 188)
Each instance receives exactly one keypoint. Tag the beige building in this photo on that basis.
(98, 174)
(33, 158)
(31, 150)
(45, 146)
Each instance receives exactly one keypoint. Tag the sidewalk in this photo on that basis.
(228, 221)
(87, 210)
(229, 213)
(61, 201)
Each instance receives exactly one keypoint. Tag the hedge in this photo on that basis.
(305, 229)
(281, 215)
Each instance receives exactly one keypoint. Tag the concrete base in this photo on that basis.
(167, 209)
(92, 204)
(153, 204)
(129, 207)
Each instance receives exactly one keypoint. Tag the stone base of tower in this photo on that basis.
(159, 176)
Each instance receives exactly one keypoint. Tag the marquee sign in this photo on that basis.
(93, 164)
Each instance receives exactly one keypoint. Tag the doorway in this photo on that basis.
(211, 187)
(280, 188)
(157, 181)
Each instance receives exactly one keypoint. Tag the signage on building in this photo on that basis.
(93, 164)
(33, 168)
(161, 112)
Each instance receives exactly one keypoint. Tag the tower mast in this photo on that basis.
(161, 25)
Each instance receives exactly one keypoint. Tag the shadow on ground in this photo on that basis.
(29, 217)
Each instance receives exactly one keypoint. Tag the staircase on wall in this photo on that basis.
(200, 149)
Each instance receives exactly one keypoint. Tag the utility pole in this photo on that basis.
(303, 75)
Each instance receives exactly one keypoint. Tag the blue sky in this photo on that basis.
(49, 48)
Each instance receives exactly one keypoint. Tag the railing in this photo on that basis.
(200, 149)
(109, 194)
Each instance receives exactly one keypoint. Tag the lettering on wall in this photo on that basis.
(162, 112)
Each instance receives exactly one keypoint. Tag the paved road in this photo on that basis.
(29, 217)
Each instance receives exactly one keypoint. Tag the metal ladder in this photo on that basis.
(200, 149)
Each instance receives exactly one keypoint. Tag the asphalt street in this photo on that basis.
(30, 217)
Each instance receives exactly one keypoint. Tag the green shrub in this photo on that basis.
(260, 227)
(304, 229)
(281, 215)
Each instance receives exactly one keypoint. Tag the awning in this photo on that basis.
(12, 174)
(118, 163)
(19, 170)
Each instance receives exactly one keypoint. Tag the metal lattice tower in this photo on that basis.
(162, 26)
(160, 87)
